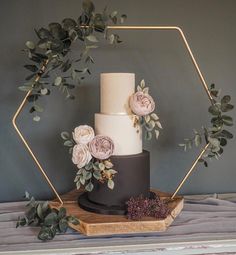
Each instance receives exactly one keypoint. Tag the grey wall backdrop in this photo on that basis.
(159, 57)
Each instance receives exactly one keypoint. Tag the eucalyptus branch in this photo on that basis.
(54, 44)
(50, 220)
(216, 135)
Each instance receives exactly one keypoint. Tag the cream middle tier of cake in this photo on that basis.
(116, 119)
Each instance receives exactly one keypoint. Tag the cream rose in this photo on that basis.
(81, 155)
(141, 104)
(101, 147)
(83, 134)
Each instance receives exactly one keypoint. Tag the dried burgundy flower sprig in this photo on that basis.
(140, 207)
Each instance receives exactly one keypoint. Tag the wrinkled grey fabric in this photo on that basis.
(210, 218)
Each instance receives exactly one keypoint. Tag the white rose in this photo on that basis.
(81, 155)
(83, 134)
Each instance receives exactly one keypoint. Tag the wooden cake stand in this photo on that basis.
(92, 224)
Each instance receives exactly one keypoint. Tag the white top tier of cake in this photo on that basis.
(116, 119)
(115, 91)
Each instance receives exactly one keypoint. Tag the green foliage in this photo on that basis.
(100, 170)
(216, 135)
(68, 140)
(50, 220)
(54, 45)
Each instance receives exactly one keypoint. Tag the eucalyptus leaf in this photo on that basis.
(73, 220)
(97, 175)
(112, 171)
(40, 211)
(214, 110)
(38, 108)
(68, 143)
(108, 164)
(157, 133)
(78, 185)
(63, 225)
(150, 126)
(223, 142)
(65, 135)
(89, 166)
(142, 83)
(44, 91)
(92, 38)
(226, 99)
(88, 6)
(215, 142)
(69, 24)
(148, 135)
(58, 81)
(226, 107)
(110, 184)
(101, 166)
(89, 187)
(30, 45)
(25, 88)
(158, 123)
(96, 167)
(88, 175)
(147, 118)
(111, 38)
(62, 212)
(47, 233)
(51, 219)
(82, 180)
(113, 14)
(197, 140)
(36, 118)
(154, 116)
(226, 134)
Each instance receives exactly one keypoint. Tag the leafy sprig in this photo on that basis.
(150, 122)
(217, 135)
(54, 45)
(50, 220)
(101, 170)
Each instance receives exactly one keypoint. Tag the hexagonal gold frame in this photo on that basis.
(43, 68)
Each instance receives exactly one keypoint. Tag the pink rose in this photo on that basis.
(83, 134)
(81, 155)
(101, 147)
(141, 104)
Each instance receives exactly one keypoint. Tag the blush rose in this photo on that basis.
(141, 104)
(101, 147)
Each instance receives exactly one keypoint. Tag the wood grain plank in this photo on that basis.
(93, 224)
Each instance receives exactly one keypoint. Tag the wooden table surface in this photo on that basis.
(207, 225)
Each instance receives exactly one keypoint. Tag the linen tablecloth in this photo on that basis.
(206, 223)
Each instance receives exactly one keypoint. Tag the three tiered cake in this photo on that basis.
(130, 161)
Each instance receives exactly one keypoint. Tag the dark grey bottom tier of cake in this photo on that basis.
(132, 180)
(90, 206)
